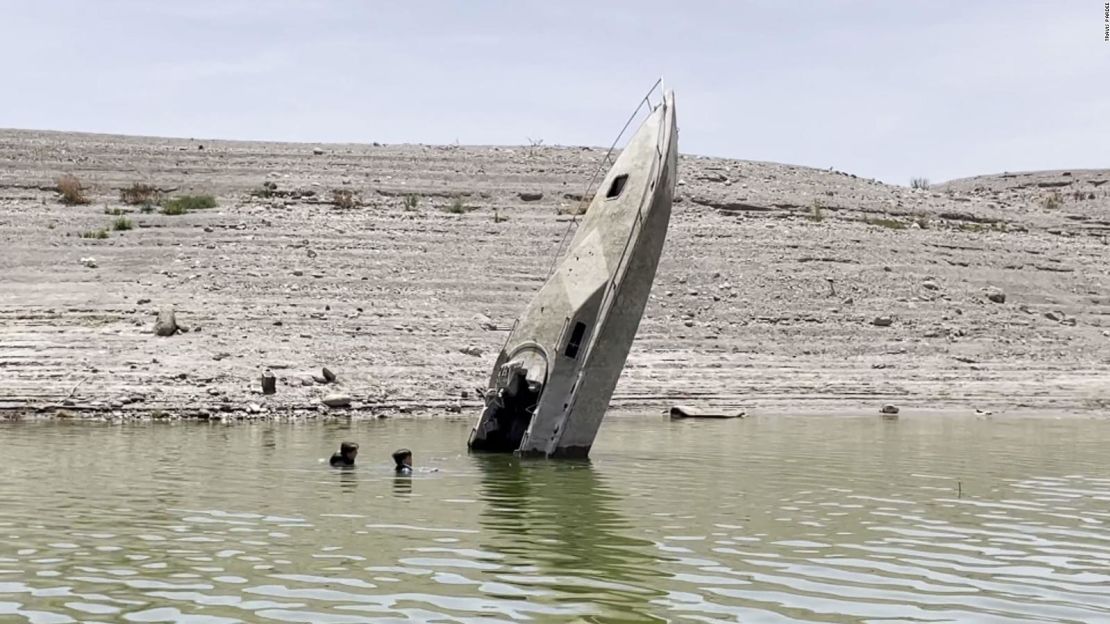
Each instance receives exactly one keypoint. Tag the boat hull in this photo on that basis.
(554, 378)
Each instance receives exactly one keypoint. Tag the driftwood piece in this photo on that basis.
(685, 411)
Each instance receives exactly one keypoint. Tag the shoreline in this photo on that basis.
(813, 409)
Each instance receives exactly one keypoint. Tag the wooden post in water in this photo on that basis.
(269, 382)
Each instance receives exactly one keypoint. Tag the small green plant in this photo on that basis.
(122, 223)
(96, 234)
(458, 206)
(70, 188)
(974, 227)
(1051, 202)
(187, 203)
(344, 198)
(919, 183)
(147, 208)
(139, 194)
(115, 212)
(816, 213)
(891, 224)
(411, 201)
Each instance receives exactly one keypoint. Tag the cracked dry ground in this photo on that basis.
(767, 292)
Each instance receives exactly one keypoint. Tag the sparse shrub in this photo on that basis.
(411, 201)
(70, 188)
(1051, 202)
(147, 208)
(458, 206)
(344, 198)
(122, 223)
(186, 203)
(816, 213)
(115, 212)
(919, 183)
(577, 209)
(891, 224)
(267, 190)
(97, 234)
(533, 145)
(139, 194)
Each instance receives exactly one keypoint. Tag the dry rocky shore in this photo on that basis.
(781, 288)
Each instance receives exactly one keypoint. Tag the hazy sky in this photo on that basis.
(887, 89)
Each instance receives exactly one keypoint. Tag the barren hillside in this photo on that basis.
(767, 298)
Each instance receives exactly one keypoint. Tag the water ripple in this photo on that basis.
(785, 520)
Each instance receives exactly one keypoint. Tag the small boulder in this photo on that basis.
(471, 351)
(1054, 315)
(166, 324)
(882, 321)
(329, 377)
(318, 151)
(930, 285)
(889, 409)
(996, 295)
(530, 197)
(485, 322)
(337, 399)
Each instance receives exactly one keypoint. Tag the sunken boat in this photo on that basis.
(554, 377)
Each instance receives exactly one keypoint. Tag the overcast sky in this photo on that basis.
(940, 89)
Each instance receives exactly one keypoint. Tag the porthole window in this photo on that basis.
(617, 186)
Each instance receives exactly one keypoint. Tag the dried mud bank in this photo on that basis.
(781, 288)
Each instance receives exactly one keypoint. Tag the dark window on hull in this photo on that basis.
(575, 341)
(617, 187)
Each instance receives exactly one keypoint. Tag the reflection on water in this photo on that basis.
(763, 520)
(556, 525)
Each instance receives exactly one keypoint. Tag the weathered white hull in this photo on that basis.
(553, 380)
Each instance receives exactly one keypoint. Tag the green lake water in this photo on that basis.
(758, 520)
